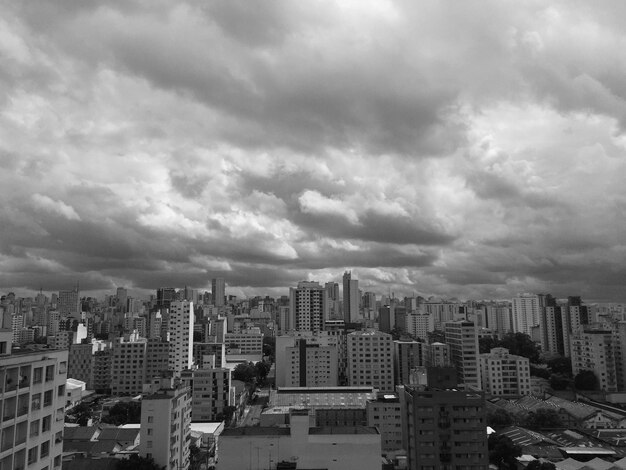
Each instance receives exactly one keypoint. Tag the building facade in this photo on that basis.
(505, 374)
(370, 360)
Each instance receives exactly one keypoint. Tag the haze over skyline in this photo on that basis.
(455, 149)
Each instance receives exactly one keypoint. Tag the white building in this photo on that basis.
(525, 311)
(370, 359)
(128, 365)
(166, 424)
(462, 337)
(308, 306)
(32, 387)
(331, 448)
(505, 374)
(248, 341)
(307, 360)
(181, 336)
(420, 324)
(594, 350)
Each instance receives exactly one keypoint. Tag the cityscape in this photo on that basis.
(324, 376)
(314, 235)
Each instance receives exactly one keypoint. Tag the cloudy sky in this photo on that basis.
(471, 149)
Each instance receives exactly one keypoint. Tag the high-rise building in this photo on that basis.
(419, 325)
(218, 288)
(210, 393)
(307, 360)
(32, 388)
(334, 299)
(526, 311)
(407, 356)
(350, 298)
(462, 337)
(69, 303)
(593, 349)
(551, 328)
(444, 429)
(181, 336)
(166, 424)
(370, 359)
(386, 318)
(438, 355)
(308, 305)
(499, 319)
(165, 296)
(504, 374)
(122, 299)
(385, 414)
(128, 365)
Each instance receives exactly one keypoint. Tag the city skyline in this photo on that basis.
(456, 150)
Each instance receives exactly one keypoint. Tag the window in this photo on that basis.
(47, 398)
(34, 428)
(45, 449)
(37, 375)
(62, 367)
(61, 391)
(45, 423)
(49, 373)
(32, 455)
(149, 432)
(149, 444)
(150, 419)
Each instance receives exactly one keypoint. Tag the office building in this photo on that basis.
(438, 355)
(32, 387)
(308, 306)
(248, 341)
(370, 359)
(350, 298)
(218, 289)
(504, 374)
(69, 303)
(166, 424)
(462, 337)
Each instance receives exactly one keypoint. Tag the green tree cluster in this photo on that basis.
(519, 344)
(502, 452)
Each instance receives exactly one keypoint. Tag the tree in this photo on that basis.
(543, 418)
(134, 462)
(538, 465)
(500, 418)
(269, 347)
(124, 413)
(558, 382)
(560, 365)
(521, 344)
(487, 343)
(540, 372)
(586, 380)
(261, 370)
(502, 451)
(246, 372)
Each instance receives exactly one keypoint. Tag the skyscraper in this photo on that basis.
(181, 336)
(218, 288)
(307, 306)
(462, 337)
(350, 298)
(69, 303)
(526, 309)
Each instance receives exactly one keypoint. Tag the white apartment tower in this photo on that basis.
(594, 350)
(32, 387)
(505, 374)
(526, 310)
(181, 336)
(166, 424)
(462, 337)
(370, 360)
(308, 306)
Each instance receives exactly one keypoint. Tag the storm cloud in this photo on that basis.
(471, 150)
